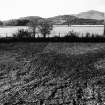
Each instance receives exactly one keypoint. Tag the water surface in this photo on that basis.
(58, 30)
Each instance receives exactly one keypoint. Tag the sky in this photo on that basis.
(13, 9)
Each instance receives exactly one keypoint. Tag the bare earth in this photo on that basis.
(52, 73)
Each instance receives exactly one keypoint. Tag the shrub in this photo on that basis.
(72, 34)
(22, 34)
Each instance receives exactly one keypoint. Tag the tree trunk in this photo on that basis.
(34, 32)
(44, 35)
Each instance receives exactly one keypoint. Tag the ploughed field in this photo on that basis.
(52, 73)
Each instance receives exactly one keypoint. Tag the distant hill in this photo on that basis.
(31, 18)
(64, 19)
(92, 14)
(85, 18)
(61, 19)
(23, 21)
(89, 17)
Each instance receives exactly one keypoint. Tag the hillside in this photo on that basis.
(66, 19)
(61, 19)
(84, 18)
(29, 18)
(23, 21)
(51, 73)
(92, 14)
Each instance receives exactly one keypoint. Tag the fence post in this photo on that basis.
(59, 34)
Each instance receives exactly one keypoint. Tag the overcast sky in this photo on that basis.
(46, 8)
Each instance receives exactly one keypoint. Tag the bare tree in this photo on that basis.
(33, 24)
(45, 28)
(68, 20)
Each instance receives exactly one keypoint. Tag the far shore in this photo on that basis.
(60, 26)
